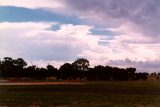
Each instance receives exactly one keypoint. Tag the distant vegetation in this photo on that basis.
(79, 69)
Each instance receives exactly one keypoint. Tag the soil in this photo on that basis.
(42, 83)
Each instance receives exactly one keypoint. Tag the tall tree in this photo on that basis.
(100, 72)
(66, 71)
(81, 64)
(20, 63)
(7, 67)
(51, 71)
(131, 73)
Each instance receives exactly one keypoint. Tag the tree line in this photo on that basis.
(79, 69)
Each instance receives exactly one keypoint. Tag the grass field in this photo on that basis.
(91, 94)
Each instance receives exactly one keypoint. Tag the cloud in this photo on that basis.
(144, 14)
(116, 32)
(141, 66)
(37, 42)
(33, 4)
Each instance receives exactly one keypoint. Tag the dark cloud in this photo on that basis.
(142, 66)
(145, 14)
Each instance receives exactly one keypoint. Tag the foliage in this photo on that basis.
(66, 71)
(81, 64)
(79, 69)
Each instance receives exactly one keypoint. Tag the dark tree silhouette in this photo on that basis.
(41, 73)
(7, 67)
(79, 69)
(19, 67)
(30, 71)
(131, 73)
(141, 76)
(20, 63)
(51, 71)
(100, 72)
(81, 64)
(66, 71)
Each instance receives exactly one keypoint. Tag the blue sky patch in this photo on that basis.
(97, 31)
(103, 43)
(55, 27)
(18, 14)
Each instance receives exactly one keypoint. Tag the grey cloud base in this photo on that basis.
(145, 14)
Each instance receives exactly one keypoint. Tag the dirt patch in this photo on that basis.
(42, 83)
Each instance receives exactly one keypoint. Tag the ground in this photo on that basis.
(81, 94)
(41, 83)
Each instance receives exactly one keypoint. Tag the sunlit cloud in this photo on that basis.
(36, 42)
(33, 4)
(119, 33)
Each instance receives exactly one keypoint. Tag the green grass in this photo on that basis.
(92, 94)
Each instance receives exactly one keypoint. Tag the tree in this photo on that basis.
(50, 68)
(100, 72)
(30, 71)
(41, 73)
(7, 67)
(131, 72)
(51, 71)
(81, 64)
(77, 70)
(7, 61)
(20, 63)
(66, 71)
(141, 76)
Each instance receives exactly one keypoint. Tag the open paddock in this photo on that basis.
(85, 94)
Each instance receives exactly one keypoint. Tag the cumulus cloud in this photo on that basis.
(38, 43)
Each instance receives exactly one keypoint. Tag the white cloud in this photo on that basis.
(135, 45)
(33, 4)
(36, 43)
(33, 41)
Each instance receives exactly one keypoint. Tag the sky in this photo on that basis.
(122, 33)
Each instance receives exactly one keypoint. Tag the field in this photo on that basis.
(89, 94)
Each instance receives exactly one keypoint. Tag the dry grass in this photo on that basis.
(91, 94)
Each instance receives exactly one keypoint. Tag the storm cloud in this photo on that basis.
(143, 14)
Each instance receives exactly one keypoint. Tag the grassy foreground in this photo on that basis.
(91, 94)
